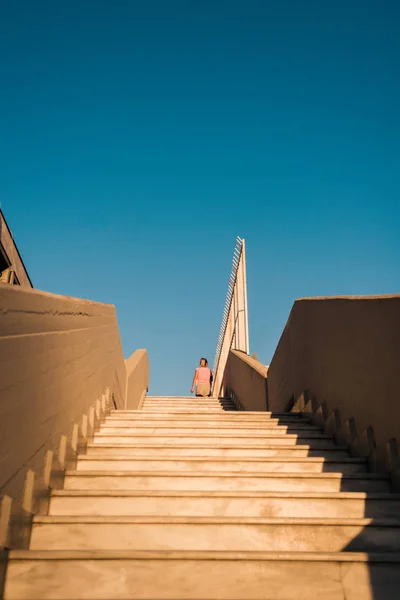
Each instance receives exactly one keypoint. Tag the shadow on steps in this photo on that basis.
(384, 575)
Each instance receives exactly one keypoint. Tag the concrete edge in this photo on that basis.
(16, 514)
(366, 298)
(137, 369)
(383, 460)
(252, 362)
(3, 569)
(205, 555)
(36, 292)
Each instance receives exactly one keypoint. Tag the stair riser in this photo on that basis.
(205, 421)
(192, 406)
(220, 440)
(193, 402)
(181, 579)
(213, 423)
(258, 417)
(168, 429)
(209, 506)
(189, 411)
(261, 483)
(260, 452)
(204, 466)
(215, 537)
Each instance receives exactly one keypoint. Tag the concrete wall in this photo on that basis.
(245, 378)
(57, 355)
(12, 253)
(346, 351)
(137, 378)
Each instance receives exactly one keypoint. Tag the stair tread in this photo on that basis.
(184, 433)
(219, 474)
(290, 436)
(272, 424)
(364, 557)
(165, 520)
(151, 417)
(382, 496)
(258, 413)
(208, 446)
(226, 459)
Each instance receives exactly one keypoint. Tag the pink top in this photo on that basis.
(203, 375)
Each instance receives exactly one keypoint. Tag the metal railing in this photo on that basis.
(234, 332)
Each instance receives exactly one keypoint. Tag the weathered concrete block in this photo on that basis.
(300, 403)
(393, 463)
(310, 408)
(320, 415)
(347, 433)
(363, 444)
(15, 525)
(332, 423)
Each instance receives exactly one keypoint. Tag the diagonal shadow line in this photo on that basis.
(375, 538)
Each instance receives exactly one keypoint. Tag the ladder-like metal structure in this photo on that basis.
(234, 332)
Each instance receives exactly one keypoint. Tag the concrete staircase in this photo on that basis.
(188, 499)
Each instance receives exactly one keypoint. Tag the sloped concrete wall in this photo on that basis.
(246, 378)
(137, 378)
(57, 355)
(346, 351)
(11, 250)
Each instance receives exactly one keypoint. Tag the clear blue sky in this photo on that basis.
(139, 138)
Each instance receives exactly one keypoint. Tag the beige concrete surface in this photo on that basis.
(315, 440)
(273, 482)
(230, 502)
(209, 422)
(137, 378)
(208, 427)
(246, 379)
(256, 450)
(346, 351)
(215, 534)
(196, 576)
(352, 505)
(3, 570)
(206, 464)
(258, 419)
(200, 430)
(57, 355)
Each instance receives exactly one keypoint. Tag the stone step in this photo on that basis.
(123, 575)
(195, 401)
(190, 405)
(356, 505)
(234, 415)
(233, 481)
(216, 412)
(203, 464)
(156, 429)
(207, 422)
(215, 533)
(217, 420)
(225, 412)
(190, 408)
(152, 450)
(188, 400)
(182, 397)
(191, 398)
(314, 439)
(189, 411)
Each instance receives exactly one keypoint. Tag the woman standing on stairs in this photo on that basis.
(202, 379)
